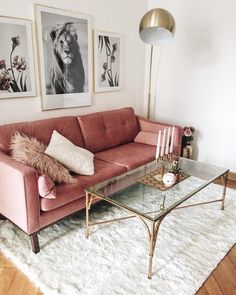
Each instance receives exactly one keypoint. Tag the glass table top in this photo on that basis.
(126, 192)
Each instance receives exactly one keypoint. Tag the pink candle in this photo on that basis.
(158, 144)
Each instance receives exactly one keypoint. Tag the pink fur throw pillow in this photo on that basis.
(30, 151)
(47, 188)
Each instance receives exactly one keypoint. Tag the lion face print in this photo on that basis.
(65, 43)
(67, 72)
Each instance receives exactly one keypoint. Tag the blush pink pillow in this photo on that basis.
(46, 186)
(146, 138)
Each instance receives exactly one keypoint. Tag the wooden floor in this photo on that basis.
(222, 281)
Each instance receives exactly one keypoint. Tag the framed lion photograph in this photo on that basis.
(65, 52)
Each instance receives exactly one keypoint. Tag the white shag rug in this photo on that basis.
(114, 260)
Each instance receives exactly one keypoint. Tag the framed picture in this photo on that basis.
(64, 40)
(107, 61)
(17, 75)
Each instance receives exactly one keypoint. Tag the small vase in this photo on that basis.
(185, 152)
(169, 179)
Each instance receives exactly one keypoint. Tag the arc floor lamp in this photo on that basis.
(157, 27)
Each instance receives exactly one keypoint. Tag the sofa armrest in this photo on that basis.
(149, 129)
(19, 198)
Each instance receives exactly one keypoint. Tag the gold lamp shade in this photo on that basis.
(157, 27)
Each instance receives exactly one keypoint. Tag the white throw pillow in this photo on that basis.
(75, 158)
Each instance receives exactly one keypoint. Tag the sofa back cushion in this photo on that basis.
(105, 130)
(42, 130)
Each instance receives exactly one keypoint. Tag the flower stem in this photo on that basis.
(12, 65)
(13, 75)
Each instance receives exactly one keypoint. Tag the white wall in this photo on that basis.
(108, 15)
(197, 76)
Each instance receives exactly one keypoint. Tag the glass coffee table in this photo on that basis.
(135, 193)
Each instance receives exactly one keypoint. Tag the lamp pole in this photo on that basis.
(150, 84)
(156, 27)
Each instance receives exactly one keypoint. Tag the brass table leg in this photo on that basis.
(87, 214)
(89, 200)
(151, 251)
(224, 179)
(153, 239)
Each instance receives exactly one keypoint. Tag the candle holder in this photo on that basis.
(166, 158)
(170, 157)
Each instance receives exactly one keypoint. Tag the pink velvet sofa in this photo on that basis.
(119, 139)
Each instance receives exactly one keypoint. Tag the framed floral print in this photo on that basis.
(107, 61)
(17, 74)
(64, 41)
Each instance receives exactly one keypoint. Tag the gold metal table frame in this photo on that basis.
(152, 226)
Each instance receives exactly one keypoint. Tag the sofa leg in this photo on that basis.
(34, 243)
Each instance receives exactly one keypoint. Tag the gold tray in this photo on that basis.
(154, 179)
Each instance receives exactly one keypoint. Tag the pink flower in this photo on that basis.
(187, 132)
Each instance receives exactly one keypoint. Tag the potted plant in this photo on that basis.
(176, 170)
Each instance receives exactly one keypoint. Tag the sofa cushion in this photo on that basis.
(30, 151)
(52, 216)
(42, 130)
(146, 138)
(75, 158)
(108, 129)
(131, 155)
(149, 125)
(67, 193)
(47, 188)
